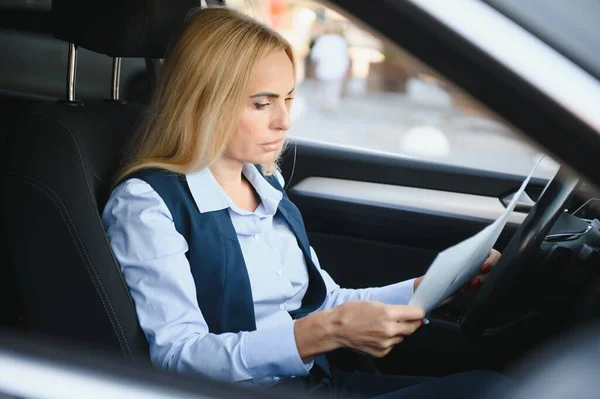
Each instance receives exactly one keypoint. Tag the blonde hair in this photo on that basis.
(204, 83)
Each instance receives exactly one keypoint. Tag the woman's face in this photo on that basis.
(265, 118)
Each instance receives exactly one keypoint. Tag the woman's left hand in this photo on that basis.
(489, 263)
(476, 282)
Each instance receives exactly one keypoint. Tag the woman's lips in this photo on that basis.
(273, 142)
(272, 145)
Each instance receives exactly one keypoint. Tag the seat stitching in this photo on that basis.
(90, 192)
(87, 262)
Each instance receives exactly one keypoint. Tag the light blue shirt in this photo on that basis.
(151, 253)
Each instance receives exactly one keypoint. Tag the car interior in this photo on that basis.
(61, 279)
(36, 60)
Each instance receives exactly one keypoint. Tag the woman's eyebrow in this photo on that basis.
(267, 94)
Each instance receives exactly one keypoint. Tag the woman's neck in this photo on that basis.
(228, 173)
(229, 176)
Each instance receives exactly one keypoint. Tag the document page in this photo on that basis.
(455, 266)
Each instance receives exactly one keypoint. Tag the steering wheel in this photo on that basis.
(520, 251)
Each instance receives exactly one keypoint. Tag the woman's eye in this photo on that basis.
(260, 105)
(289, 99)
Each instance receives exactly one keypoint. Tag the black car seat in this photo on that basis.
(56, 181)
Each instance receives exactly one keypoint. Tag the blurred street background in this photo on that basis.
(387, 100)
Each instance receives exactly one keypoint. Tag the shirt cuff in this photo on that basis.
(273, 352)
(396, 294)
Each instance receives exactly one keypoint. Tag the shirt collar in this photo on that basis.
(209, 196)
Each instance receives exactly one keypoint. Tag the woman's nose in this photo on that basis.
(282, 119)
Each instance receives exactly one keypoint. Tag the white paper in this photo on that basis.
(455, 266)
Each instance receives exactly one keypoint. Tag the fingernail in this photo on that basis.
(420, 323)
(486, 267)
(475, 282)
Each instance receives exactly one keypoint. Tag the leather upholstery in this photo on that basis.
(130, 28)
(56, 183)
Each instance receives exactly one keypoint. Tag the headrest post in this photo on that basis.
(71, 71)
(116, 77)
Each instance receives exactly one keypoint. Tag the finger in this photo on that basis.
(393, 341)
(382, 348)
(381, 353)
(405, 312)
(487, 266)
(407, 328)
(465, 288)
(404, 328)
(385, 343)
(414, 326)
(491, 260)
(475, 283)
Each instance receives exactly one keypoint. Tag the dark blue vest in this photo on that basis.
(216, 260)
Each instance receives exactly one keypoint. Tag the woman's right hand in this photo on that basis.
(373, 327)
(369, 327)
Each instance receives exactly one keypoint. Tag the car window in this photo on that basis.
(387, 100)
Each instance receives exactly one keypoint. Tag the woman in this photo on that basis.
(216, 257)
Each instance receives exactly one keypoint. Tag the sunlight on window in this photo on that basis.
(355, 89)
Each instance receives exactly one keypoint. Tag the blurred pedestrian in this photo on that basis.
(332, 61)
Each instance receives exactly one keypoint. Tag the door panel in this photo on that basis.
(305, 158)
(375, 219)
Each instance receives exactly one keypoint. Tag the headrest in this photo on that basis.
(120, 28)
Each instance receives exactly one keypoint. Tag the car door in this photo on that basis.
(409, 165)
(375, 219)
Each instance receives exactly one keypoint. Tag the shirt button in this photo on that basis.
(257, 236)
(280, 272)
(276, 379)
(282, 306)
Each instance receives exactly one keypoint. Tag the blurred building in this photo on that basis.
(302, 21)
